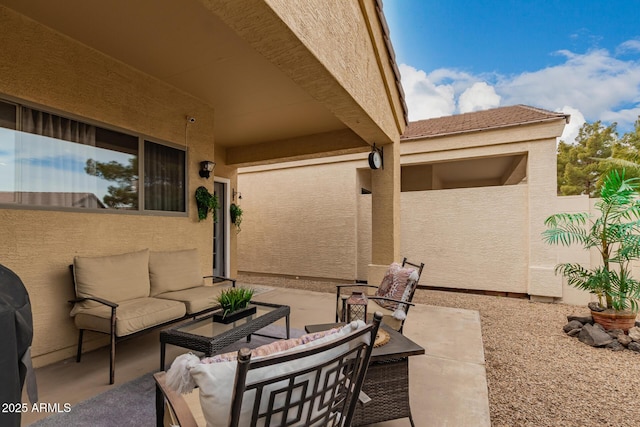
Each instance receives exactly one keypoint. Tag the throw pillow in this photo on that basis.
(397, 283)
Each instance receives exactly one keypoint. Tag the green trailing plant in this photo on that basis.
(234, 299)
(206, 203)
(236, 215)
(615, 234)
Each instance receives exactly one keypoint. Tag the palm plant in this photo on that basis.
(616, 236)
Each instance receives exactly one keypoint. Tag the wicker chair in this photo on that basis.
(341, 299)
(323, 394)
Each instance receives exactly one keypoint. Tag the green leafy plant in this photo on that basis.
(236, 215)
(206, 203)
(615, 233)
(234, 299)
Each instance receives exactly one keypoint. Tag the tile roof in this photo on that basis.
(480, 120)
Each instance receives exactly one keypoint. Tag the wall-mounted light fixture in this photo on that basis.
(206, 168)
(235, 193)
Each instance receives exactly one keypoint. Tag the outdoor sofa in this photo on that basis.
(128, 294)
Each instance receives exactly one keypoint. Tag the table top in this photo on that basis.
(398, 346)
(205, 335)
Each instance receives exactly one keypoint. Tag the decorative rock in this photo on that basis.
(594, 336)
(634, 333)
(615, 346)
(574, 332)
(594, 306)
(599, 327)
(615, 333)
(581, 319)
(638, 323)
(624, 340)
(573, 324)
(634, 346)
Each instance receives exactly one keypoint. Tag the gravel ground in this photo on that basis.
(537, 375)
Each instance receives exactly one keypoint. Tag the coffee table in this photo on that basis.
(387, 380)
(206, 336)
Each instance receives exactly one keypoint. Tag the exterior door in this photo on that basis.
(220, 231)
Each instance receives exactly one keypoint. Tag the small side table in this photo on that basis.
(355, 307)
(387, 380)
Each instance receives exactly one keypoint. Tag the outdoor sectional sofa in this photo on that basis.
(128, 294)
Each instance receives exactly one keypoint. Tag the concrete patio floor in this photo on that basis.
(448, 384)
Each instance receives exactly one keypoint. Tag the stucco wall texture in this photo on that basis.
(314, 24)
(297, 222)
(469, 238)
(483, 238)
(48, 69)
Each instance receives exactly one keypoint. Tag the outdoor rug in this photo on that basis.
(133, 404)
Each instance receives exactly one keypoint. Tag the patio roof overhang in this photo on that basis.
(275, 94)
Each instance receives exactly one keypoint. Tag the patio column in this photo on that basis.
(385, 214)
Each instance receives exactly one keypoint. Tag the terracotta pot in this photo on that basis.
(611, 319)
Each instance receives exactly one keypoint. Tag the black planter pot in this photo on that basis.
(219, 316)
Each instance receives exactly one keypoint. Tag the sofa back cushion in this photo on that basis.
(174, 271)
(114, 278)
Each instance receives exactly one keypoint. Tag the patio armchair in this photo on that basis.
(393, 297)
(316, 382)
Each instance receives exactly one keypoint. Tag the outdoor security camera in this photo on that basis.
(191, 119)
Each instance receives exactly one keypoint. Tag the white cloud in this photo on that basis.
(627, 116)
(480, 96)
(575, 123)
(424, 98)
(629, 46)
(595, 85)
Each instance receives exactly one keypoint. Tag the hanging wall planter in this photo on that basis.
(235, 212)
(206, 203)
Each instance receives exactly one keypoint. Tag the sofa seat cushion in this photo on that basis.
(195, 299)
(131, 316)
(174, 271)
(114, 278)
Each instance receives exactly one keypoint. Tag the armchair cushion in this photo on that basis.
(114, 278)
(398, 283)
(174, 271)
(215, 376)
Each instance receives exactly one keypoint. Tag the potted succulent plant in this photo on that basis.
(234, 302)
(206, 202)
(615, 233)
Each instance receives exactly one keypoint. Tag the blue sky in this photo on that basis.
(579, 57)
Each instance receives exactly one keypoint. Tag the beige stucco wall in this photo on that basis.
(297, 222)
(538, 142)
(574, 253)
(335, 53)
(48, 69)
(353, 51)
(468, 238)
(485, 238)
